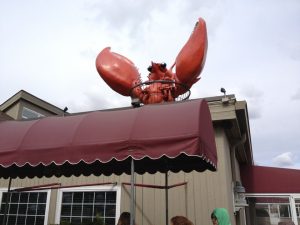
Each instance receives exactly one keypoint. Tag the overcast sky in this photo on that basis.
(48, 48)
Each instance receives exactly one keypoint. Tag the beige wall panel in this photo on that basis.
(222, 112)
(108, 179)
(159, 200)
(148, 200)
(237, 170)
(225, 174)
(125, 192)
(52, 208)
(139, 198)
(190, 194)
(73, 180)
(4, 183)
(14, 111)
(213, 189)
(152, 206)
(200, 199)
(177, 203)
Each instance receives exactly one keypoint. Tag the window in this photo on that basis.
(262, 210)
(30, 114)
(25, 208)
(298, 210)
(284, 211)
(273, 210)
(82, 205)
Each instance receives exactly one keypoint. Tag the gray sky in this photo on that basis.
(48, 48)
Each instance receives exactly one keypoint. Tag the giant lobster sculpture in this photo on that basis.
(163, 85)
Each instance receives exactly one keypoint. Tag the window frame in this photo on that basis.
(276, 214)
(38, 115)
(297, 206)
(97, 188)
(2, 190)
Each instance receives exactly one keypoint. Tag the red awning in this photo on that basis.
(260, 179)
(161, 137)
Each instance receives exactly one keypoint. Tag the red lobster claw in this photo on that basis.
(191, 59)
(117, 71)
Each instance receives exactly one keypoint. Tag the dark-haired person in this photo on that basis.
(124, 219)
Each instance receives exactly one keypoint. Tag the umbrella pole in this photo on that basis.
(167, 198)
(6, 202)
(132, 202)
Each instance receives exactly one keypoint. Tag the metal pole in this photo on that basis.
(6, 202)
(167, 198)
(132, 202)
(155, 186)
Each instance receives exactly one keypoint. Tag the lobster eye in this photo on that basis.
(149, 68)
(163, 65)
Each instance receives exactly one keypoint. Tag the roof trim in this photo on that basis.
(270, 180)
(32, 99)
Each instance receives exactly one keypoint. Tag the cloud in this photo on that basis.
(135, 13)
(296, 96)
(94, 98)
(254, 98)
(291, 49)
(251, 92)
(255, 113)
(123, 14)
(89, 53)
(138, 19)
(286, 159)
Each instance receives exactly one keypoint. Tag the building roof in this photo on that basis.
(261, 179)
(23, 95)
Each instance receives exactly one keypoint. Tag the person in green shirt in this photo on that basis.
(220, 216)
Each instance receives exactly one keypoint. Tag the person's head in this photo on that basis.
(220, 216)
(124, 218)
(180, 220)
(214, 219)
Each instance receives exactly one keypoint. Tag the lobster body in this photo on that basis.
(163, 84)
